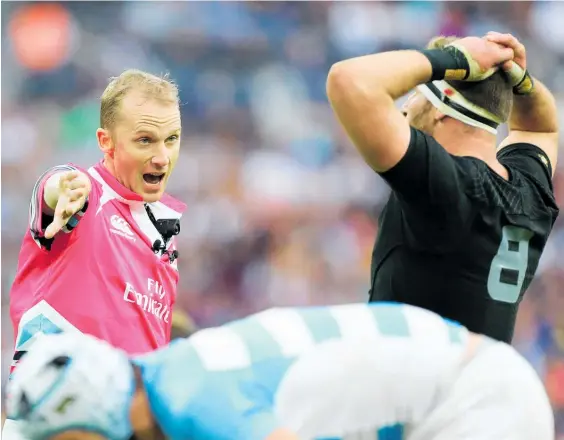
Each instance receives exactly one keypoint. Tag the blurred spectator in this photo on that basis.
(281, 208)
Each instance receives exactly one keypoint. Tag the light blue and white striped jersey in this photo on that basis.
(222, 383)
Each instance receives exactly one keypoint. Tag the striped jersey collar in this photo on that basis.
(113, 183)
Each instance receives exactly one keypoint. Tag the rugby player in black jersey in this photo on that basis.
(467, 220)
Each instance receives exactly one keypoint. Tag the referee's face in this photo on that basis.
(419, 112)
(145, 143)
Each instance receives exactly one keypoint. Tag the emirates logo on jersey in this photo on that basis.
(151, 302)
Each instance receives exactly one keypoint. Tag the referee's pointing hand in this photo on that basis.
(74, 188)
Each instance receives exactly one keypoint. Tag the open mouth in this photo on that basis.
(153, 178)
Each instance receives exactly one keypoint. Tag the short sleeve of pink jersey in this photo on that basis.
(38, 221)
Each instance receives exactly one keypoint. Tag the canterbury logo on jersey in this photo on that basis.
(120, 227)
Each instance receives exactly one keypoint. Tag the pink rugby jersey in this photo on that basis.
(100, 274)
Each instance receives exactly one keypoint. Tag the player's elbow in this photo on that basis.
(337, 79)
(352, 97)
(345, 83)
(368, 115)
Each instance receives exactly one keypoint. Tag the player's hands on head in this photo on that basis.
(516, 69)
(483, 55)
(509, 41)
(74, 187)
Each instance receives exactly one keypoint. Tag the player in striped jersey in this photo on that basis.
(379, 371)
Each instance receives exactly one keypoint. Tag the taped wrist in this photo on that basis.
(525, 86)
(520, 79)
(447, 63)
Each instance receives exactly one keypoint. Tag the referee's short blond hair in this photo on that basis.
(153, 86)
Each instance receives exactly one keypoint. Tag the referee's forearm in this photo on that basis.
(390, 73)
(536, 112)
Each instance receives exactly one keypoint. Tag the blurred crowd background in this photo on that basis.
(281, 208)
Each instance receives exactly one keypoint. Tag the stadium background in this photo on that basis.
(281, 208)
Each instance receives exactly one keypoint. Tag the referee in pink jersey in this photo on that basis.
(99, 256)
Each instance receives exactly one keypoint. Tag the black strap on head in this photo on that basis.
(459, 108)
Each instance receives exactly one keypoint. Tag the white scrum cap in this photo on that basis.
(72, 382)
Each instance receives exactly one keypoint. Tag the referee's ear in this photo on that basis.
(105, 141)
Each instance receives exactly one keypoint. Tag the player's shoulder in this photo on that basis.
(181, 392)
(528, 157)
(191, 386)
(528, 165)
(530, 174)
(528, 188)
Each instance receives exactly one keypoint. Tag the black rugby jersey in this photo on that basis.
(458, 239)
